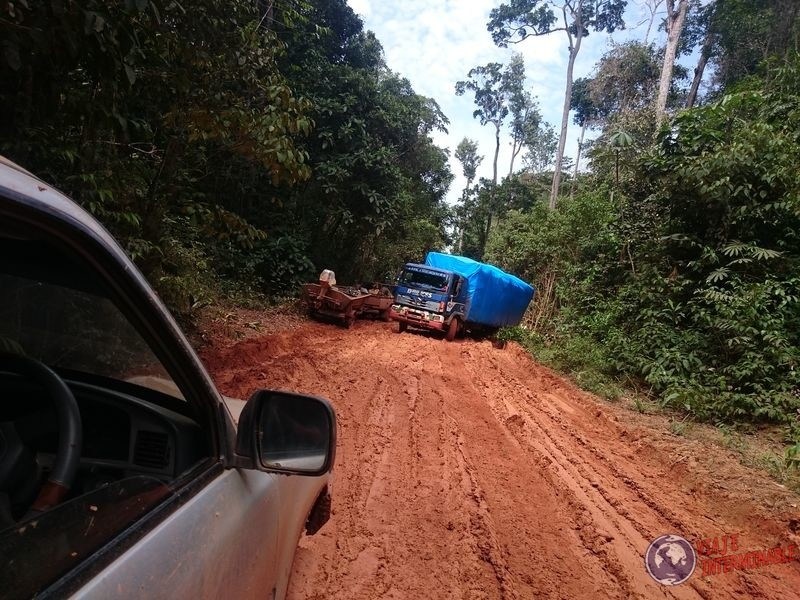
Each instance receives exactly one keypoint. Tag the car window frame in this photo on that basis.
(141, 306)
(136, 300)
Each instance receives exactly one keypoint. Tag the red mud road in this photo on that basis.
(464, 471)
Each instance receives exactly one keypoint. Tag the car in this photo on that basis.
(123, 471)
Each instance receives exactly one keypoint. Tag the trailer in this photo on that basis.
(346, 303)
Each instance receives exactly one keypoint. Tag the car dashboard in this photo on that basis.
(127, 430)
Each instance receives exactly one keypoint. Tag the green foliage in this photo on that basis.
(586, 112)
(718, 336)
(580, 356)
(519, 19)
(225, 148)
(536, 242)
(526, 126)
(682, 275)
(153, 118)
(745, 32)
(467, 154)
(496, 89)
(540, 144)
(375, 169)
(283, 264)
(492, 88)
(499, 92)
(418, 237)
(626, 79)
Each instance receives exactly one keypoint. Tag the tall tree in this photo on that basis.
(488, 83)
(585, 115)
(466, 154)
(676, 17)
(526, 121)
(493, 87)
(652, 7)
(700, 24)
(520, 19)
(626, 78)
(736, 37)
(523, 109)
(540, 145)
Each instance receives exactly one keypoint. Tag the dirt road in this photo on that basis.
(464, 471)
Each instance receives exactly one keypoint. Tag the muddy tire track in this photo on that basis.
(464, 471)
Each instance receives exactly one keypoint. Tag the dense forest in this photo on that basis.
(232, 146)
(673, 263)
(236, 148)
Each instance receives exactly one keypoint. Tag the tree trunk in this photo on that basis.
(577, 161)
(705, 54)
(675, 20)
(463, 217)
(516, 148)
(496, 152)
(562, 140)
(490, 208)
(652, 6)
(514, 152)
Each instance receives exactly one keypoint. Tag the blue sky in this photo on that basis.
(435, 43)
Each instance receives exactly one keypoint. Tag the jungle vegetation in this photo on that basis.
(238, 148)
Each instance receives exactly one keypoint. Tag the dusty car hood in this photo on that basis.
(168, 387)
(235, 407)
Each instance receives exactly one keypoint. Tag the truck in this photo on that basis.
(455, 294)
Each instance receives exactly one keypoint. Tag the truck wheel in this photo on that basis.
(385, 316)
(401, 326)
(452, 330)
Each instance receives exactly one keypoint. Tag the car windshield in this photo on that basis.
(56, 312)
(424, 279)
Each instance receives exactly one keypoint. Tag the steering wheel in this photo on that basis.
(70, 435)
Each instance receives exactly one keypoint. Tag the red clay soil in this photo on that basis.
(464, 471)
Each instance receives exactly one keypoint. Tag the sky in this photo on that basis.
(434, 44)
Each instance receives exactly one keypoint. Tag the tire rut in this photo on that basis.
(465, 472)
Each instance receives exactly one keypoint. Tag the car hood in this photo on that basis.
(235, 407)
(166, 386)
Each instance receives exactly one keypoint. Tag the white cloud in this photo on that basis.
(435, 43)
(361, 7)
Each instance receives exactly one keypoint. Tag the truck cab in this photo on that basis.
(429, 298)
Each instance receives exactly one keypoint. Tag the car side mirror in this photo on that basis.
(283, 432)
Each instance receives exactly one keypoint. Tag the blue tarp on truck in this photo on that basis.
(494, 298)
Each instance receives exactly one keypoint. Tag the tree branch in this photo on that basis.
(566, 23)
(535, 34)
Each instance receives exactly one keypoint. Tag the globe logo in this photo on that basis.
(670, 559)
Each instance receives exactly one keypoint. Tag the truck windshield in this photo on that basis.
(424, 279)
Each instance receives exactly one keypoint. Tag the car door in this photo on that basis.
(220, 544)
(199, 521)
(129, 527)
